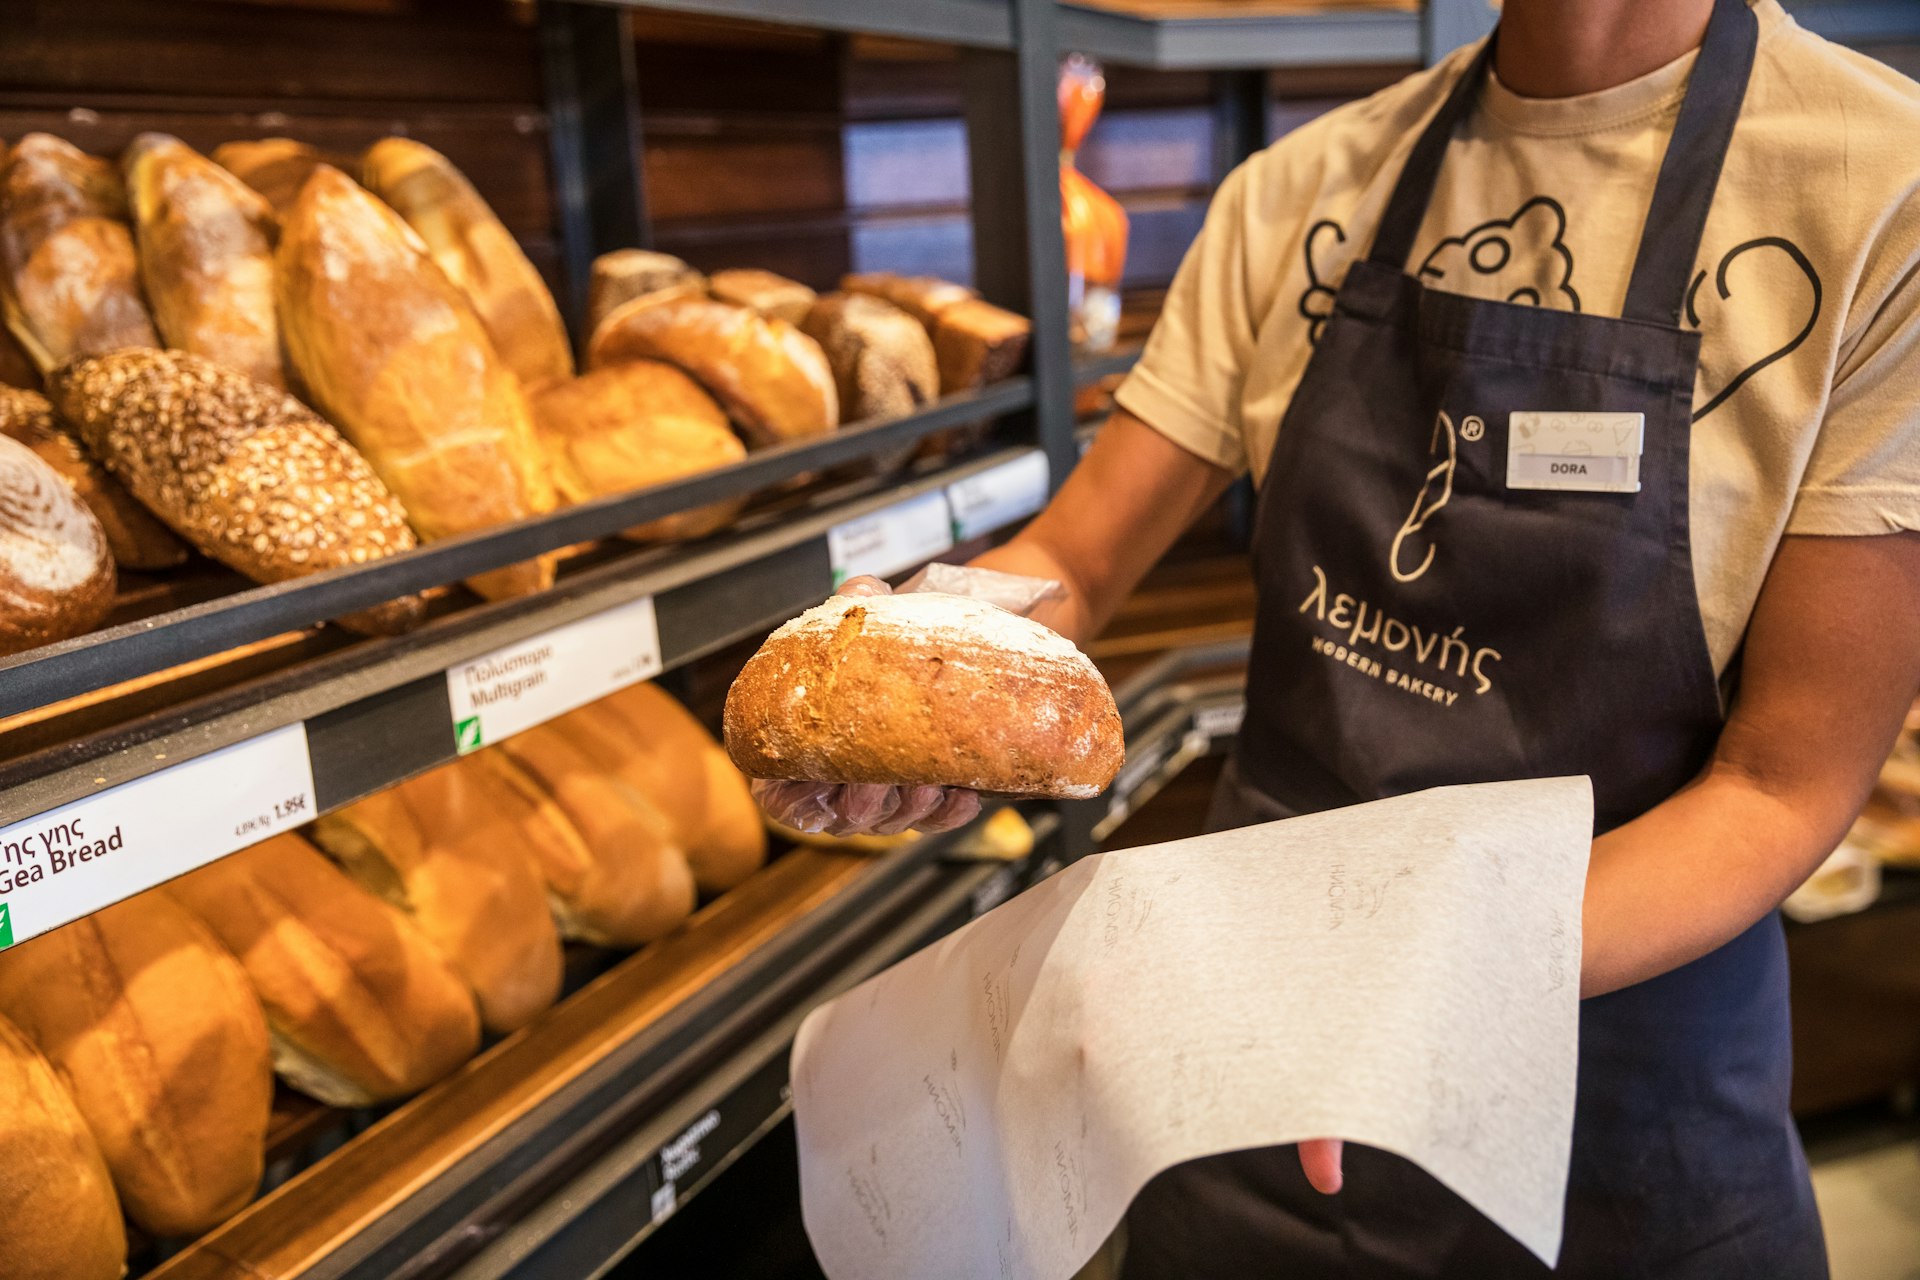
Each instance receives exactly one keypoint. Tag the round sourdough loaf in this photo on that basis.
(924, 688)
(56, 574)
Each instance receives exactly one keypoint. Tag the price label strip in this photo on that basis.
(521, 685)
(998, 496)
(891, 539)
(91, 853)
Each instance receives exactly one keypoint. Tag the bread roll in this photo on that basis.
(625, 274)
(56, 574)
(69, 278)
(773, 296)
(924, 688)
(444, 850)
(922, 297)
(56, 1197)
(246, 473)
(651, 742)
(477, 253)
(155, 1030)
(395, 357)
(206, 257)
(617, 823)
(136, 539)
(632, 425)
(772, 379)
(978, 343)
(275, 167)
(883, 361)
(360, 1007)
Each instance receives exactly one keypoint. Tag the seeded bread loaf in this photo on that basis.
(56, 574)
(246, 473)
(135, 537)
(924, 688)
(206, 257)
(622, 275)
(394, 355)
(477, 252)
(56, 1197)
(275, 167)
(69, 277)
(773, 296)
(883, 360)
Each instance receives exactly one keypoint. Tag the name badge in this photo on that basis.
(1584, 452)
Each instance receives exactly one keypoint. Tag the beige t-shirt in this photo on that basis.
(1807, 403)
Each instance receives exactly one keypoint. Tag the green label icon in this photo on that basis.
(6, 926)
(466, 735)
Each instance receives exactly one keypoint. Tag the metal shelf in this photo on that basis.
(982, 24)
(1230, 42)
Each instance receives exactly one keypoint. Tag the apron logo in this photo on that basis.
(1425, 504)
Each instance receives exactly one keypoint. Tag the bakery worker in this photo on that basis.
(1702, 223)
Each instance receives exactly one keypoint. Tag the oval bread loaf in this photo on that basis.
(924, 688)
(56, 575)
(63, 1220)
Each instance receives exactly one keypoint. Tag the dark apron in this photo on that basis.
(1422, 624)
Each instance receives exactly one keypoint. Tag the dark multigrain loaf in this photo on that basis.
(924, 688)
(883, 361)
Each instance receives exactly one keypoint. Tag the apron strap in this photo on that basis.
(1407, 207)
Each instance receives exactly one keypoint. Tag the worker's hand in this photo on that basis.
(1320, 1161)
(846, 809)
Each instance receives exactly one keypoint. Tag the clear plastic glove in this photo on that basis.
(861, 808)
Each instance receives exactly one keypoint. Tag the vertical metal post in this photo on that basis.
(593, 115)
(1239, 118)
(1019, 251)
(1445, 25)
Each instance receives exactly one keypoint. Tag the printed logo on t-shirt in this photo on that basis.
(1776, 288)
(1519, 259)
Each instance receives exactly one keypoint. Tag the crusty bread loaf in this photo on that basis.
(924, 688)
(275, 167)
(56, 574)
(773, 296)
(922, 297)
(644, 737)
(135, 537)
(394, 356)
(978, 343)
(617, 823)
(244, 472)
(477, 253)
(632, 425)
(206, 257)
(155, 1030)
(56, 1197)
(360, 1007)
(69, 277)
(622, 275)
(444, 850)
(772, 379)
(883, 360)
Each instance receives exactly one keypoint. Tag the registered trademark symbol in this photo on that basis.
(1472, 428)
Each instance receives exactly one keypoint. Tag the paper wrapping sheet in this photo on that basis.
(1404, 973)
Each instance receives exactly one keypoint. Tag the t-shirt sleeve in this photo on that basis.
(1188, 381)
(1863, 476)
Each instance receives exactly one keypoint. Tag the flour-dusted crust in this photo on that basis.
(56, 576)
(924, 688)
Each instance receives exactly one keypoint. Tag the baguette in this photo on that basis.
(477, 253)
(924, 688)
(772, 379)
(922, 297)
(56, 1197)
(773, 296)
(275, 167)
(154, 1028)
(442, 848)
(883, 361)
(629, 426)
(69, 277)
(360, 1008)
(394, 355)
(56, 574)
(246, 473)
(625, 274)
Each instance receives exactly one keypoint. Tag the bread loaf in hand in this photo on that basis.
(135, 536)
(360, 1007)
(206, 257)
(773, 296)
(244, 472)
(478, 253)
(631, 425)
(156, 1031)
(621, 275)
(924, 688)
(771, 378)
(69, 277)
(393, 355)
(56, 574)
(441, 848)
(56, 1197)
(275, 167)
(883, 361)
